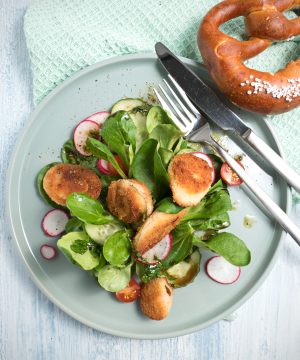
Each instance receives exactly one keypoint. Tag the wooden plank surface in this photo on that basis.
(31, 327)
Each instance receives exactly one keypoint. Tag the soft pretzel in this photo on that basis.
(224, 56)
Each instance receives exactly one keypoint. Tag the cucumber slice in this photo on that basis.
(127, 104)
(184, 272)
(99, 233)
(86, 261)
(113, 278)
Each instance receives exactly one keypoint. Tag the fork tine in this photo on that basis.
(190, 116)
(182, 117)
(166, 107)
(184, 96)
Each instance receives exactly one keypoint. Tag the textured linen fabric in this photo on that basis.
(64, 36)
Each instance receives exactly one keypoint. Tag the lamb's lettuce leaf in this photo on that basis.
(157, 116)
(232, 248)
(182, 244)
(216, 202)
(88, 210)
(70, 155)
(168, 206)
(73, 224)
(217, 222)
(166, 135)
(117, 248)
(119, 133)
(101, 151)
(148, 167)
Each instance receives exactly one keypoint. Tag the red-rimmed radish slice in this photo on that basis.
(221, 271)
(206, 157)
(160, 251)
(48, 252)
(54, 222)
(99, 117)
(102, 166)
(82, 131)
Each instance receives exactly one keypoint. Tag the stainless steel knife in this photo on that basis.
(219, 113)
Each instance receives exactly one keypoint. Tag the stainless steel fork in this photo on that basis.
(196, 129)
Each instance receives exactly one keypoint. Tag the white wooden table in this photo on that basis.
(31, 327)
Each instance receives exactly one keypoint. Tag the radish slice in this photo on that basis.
(99, 117)
(221, 271)
(206, 157)
(82, 131)
(102, 166)
(54, 222)
(48, 252)
(160, 251)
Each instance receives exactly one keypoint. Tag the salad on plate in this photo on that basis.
(136, 204)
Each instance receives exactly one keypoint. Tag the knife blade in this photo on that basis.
(219, 113)
(201, 94)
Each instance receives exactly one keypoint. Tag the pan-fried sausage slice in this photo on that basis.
(64, 179)
(156, 298)
(154, 229)
(129, 200)
(190, 179)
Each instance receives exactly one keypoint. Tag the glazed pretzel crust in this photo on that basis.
(224, 56)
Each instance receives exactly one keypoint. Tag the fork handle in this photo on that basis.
(274, 159)
(278, 214)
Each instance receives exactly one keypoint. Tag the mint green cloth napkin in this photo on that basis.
(64, 36)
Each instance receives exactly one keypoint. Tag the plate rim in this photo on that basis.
(36, 279)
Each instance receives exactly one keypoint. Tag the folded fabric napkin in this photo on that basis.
(64, 36)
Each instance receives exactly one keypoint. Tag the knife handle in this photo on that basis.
(274, 159)
(279, 215)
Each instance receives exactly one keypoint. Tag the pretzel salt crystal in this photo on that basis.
(224, 56)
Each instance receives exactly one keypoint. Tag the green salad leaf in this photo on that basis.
(168, 206)
(106, 181)
(73, 224)
(216, 222)
(180, 145)
(232, 248)
(148, 167)
(117, 248)
(138, 116)
(102, 263)
(88, 210)
(166, 156)
(119, 133)
(161, 177)
(182, 244)
(157, 116)
(166, 135)
(70, 155)
(216, 202)
(100, 150)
